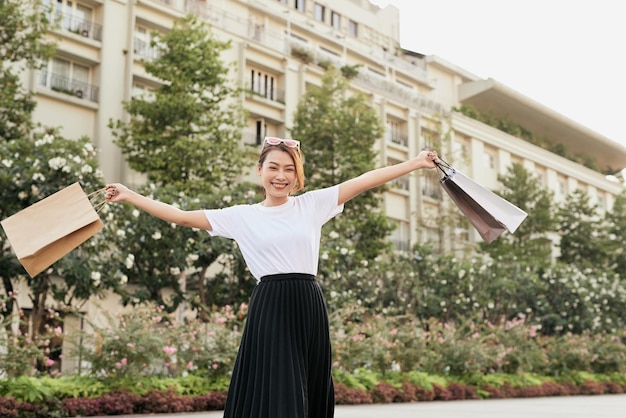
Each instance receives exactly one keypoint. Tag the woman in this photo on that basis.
(283, 368)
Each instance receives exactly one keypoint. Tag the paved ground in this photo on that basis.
(604, 406)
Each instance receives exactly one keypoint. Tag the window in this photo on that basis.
(335, 20)
(353, 28)
(401, 236)
(299, 6)
(68, 77)
(263, 84)
(143, 39)
(396, 132)
(143, 92)
(320, 12)
(431, 188)
(73, 17)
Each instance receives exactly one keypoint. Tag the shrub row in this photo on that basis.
(124, 402)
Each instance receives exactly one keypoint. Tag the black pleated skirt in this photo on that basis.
(283, 368)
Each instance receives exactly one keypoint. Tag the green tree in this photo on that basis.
(529, 242)
(616, 219)
(338, 129)
(186, 139)
(583, 231)
(22, 45)
(189, 135)
(34, 163)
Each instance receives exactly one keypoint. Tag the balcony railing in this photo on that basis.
(78, 25)
(396, 138)
(76, 88)
(275, 94)
(145, 50)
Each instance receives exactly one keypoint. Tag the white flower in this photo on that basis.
(121, 233)
(89, 147)
(130, 261)
(86, 169)
(156, 235)
(193, 257)
(123, 279)
(227, 198)
(174, 271)
(343, 251)
(57, 163)
(39, 177)
(7, 163)
(95, 276)
(364, 263)
(135, 213)
(324, 256)
(22, 195)
(34, 190)
(333, 235)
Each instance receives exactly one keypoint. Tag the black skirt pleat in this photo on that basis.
(283, 368)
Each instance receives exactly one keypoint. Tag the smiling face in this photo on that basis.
(278, 176)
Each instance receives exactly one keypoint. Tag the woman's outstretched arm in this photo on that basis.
(117, 192)
(353, 187)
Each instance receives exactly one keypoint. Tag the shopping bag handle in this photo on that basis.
(444, 167)
(95, 201)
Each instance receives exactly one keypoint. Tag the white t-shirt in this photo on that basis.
(279, 239)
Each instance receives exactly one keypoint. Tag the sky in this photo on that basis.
(568, 55)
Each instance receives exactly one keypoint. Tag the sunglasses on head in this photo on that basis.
(291, 143)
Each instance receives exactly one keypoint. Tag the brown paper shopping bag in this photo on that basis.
(46, 231)
(490, 214)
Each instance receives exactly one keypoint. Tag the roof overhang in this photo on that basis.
(496, 99)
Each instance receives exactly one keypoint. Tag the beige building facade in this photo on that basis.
(279, 49)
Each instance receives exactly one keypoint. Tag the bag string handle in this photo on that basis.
(95, 201)
(443, 166)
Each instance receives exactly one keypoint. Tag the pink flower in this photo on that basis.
(118, 365)
(220, 320)
(190, 365)
(124, 361)
(169, 350)
(393, 331)
(215, 366)
(48, 361)
(533, 331)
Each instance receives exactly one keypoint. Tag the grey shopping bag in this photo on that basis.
(489, 213)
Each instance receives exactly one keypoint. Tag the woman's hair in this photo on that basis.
(296, 156)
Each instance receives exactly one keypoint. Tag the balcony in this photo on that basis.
(144, 50)
(78, 25)
(72, 87)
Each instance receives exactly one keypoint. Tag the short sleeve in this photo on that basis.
(223, 221)
(325, 203)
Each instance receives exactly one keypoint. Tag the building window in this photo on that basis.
(65, 76)
(142, 92)
(143, 40)
(353, 28)
(396, 132)
(263, 84)
(335, 20)
(320, 12)
(401, 236)
(431, 187)
(300, 6)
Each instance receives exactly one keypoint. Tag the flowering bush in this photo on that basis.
(150, 342)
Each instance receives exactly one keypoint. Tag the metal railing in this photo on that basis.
(78, 25)
(69, 86)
